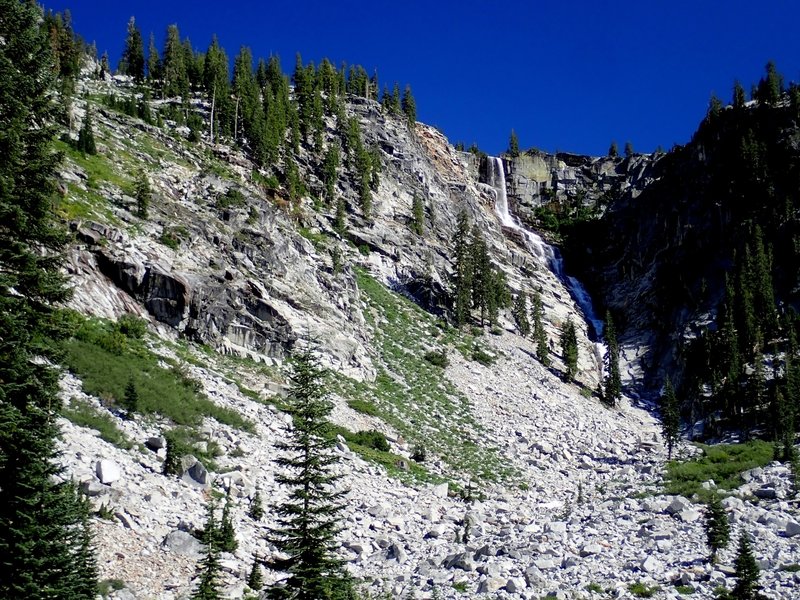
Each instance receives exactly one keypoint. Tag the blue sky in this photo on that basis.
(568, 76)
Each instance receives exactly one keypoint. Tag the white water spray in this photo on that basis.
(542, 250)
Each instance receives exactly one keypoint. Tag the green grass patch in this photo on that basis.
(363, 407)
(594, 587)
(724, 463)
(793, 568)
(684, 590)
(105, 359)
(317, 239)
(640, 590)
(83, 414)
(411, 394)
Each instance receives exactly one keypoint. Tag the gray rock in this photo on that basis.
(689, 515)
(107, 471)
(766, 492)
(678, 504)
(491, 585)
(792, 528)
(92, 488)
(651, 565)
(396, 552)
(156, 443)
(459, 560)
(440, 491)
(545, 563)
(184, 544)
(515, 585)
(590, 549)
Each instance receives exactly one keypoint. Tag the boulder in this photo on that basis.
(156, 443)
(651, 565)
(678, 504)
(184, 544)
(107, 471)
(792, 528)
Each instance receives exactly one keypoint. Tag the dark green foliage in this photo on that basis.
(747, 572)
(417, 215)
(372, 439)
(209, 568)
(437, 357)
(227, 535)
(613, 151)
(130, 400)
(256, 507)
(255, 581)
(520, 313)
(628, 149)
(176, 448)
(83, 414)
(612, 386)
(419, 454)
(670, 417)
(330, 175)
(217, 87)
(409, 107)
(481, 356)
(569, 350)
(153, 60)
(45, 544)
(142, 194)
(462, 278)
(340, 223)
(133, 56)
(174, 72)
(307, 522)
(539, 333)
(513, 145)
(717, 528)
(86, 143)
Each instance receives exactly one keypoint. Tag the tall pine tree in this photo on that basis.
(670, 417)
(612, 391)
(45, 544)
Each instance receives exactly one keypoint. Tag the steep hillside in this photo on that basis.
(500, 477)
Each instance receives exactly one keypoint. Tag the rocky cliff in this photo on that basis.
(230, 274)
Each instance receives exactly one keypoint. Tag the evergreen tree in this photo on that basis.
(142, 193)
(86, 143)
(716, 526)
(133, 56)
(462, 278)
(153, 60)
(174, 453)
(409, 107)
(130, 400)
(255, 580)
(45, 542)
(330, 171)
(481, 272)
(513, 145)
(256, 507)
(307, 522)
(739, 99)
(417, 215)
(747, 572)
(670, 417)
(209, 568)
(613, 151)
(217, 88)
(628, 149)
(174, 74)
(227, 534)
(612, 391)
(340, 223)
(569, 350)
(498, 295)
(520, 313)
(539, 333)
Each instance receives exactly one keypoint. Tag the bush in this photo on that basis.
(419, 454)
(106, 586)
(484, 358)
(437, 358)
(83, 414)
(132, 326)
(640, 590)
(363, 407)
(233, 197)
(371, 439)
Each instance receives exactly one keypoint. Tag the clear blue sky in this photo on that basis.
(567, 76)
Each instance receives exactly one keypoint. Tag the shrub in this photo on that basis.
(484, 358)
(83, 414)
(371, 439)
(132, 326)
(419, 454)
(233, 197)
(640, 590)
(437, 358)
(363, 407)
(106, 586)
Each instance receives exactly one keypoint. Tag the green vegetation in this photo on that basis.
(106, 360)
(412, 395)
(83, 414)
(594, 587)
(364, 407)
(640, 590)
(106, 586)
(685, 590)
(724, 463)
(461, 586)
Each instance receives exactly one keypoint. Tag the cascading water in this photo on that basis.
(496, 176)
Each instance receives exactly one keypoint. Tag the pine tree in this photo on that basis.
(417, 215)
(613, 151)
(739, 99)
(142, 193)
(716, 526)
(513, 145)
(153, 60)
(747, 572)
(330, 167)
(227, 534)
(255, 580)
(45, 543)
(133, 55)
(539, 333)
(670, 417)
(628, 149)
(86, 143)
(520, 313)
(174, 73)
(217, 88)
(612, 391)
(462, 278)
(256, 507)
(209, 568)
(481, 272)
(569, 350)
(340, 223)
(130, 400)
(409, 107)
(308, 521)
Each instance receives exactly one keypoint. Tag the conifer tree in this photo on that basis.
(256, 507)
(481, 272)
(613, 150)
(143, 193)
(569, 350)
(670, 417)
(227, 534)
(513, 145)
(133, 56)
(153, 60)
(340, 223)
(209, 568)
(307, 522)
(520, 313)
(217, 88)
(716, 526)
(462, 278)
(739, 99)
(409, 107)
(417, 215)
(612, 391)
(330, 171)
(45, 543)
(498, 295)
(86, 143)
(747, 572)
(539, 333)
(628, 149)
(130, 400)
(174, 74)
(255, 580)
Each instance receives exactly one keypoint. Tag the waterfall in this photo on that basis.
(546, 253)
